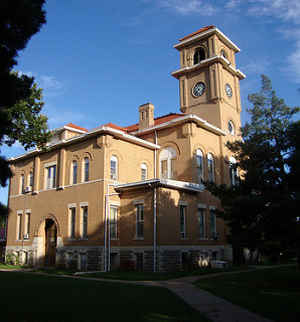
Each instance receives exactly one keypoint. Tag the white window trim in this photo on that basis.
(202, 205)
(19, 220)
(184, 205)
(46, 167)
(204, 222)
(70, 207)
(167, 154)
(112, 205)
(137, 221)
(138, 202)
(144, 167)
(114, 176)
(26, 230)
(82, 206)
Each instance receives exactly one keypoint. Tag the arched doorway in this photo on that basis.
(50, 242)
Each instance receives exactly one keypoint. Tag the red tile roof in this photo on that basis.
(197, 32)
(114, 126)
(157, 121)
(76, 127)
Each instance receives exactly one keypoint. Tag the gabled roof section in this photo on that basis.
(157, 121)
(76, 127)
(197, 32)
(116, 127)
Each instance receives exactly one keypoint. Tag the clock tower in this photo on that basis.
(208, 78)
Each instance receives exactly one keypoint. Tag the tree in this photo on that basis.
(20, 99)
(260, 209)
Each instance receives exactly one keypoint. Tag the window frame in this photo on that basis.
(114, 169)
(199, 55)
(86, 169)
(113, 222)
(167, 157)
(140, 220)
(212, 223)
(200, 165)
(74, 171)
(27, 218)
(182, 220)
(84, 212)
(72, 223)
(22, 184)
(211, 167)
(201, 213)
(50, 176)
(233, 172)
(144, 171)
(19, 228)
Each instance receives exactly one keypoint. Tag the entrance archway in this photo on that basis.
(50, 242)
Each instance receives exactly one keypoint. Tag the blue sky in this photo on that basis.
(97, 61)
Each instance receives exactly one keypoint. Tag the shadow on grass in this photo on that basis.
(36, 298)
(273, 293)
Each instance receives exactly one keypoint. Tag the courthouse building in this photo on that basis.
(132, 197)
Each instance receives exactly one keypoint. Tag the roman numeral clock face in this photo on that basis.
(198, 89)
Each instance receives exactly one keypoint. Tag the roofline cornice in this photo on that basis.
(206, 33)
(100, 130)
(215, 59)
(189, 117)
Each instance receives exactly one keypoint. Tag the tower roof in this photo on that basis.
(197, 32)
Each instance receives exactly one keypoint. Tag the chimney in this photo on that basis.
(146, 116)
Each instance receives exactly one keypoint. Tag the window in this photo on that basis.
(30, 179)
(74, 172)
(199, 55)
(84, 222)
(167, 159)
(114, 168)
(51, 177)
(211, 167)
(3, 227)
(201, 222)
(113, 221)
(223, 53)
(233, 175)
(139, 221)
(231, 128)
(199, 164)
(212, 221)
(22, 184)
(27, 226)
(72, 222)
(144, 172)
(86, 169)
(182, 211)
(19, 226)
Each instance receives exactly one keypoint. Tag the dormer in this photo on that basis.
(66, 132)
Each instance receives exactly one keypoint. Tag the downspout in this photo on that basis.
(154, 208)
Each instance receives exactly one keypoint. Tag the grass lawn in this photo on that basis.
(273, 293)
(27, 297)
(160, 276)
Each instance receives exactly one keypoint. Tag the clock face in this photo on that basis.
(198, 89)
(228, 90)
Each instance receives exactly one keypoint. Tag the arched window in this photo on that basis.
(86, 169)
(199, 165)
(231, 128)
(211, 167)
(223, 53)
(74, 172)
(166, 160)
(233, 175)
(144, 172)
(199, 55)
(114, 168)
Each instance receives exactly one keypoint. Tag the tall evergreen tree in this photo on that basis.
(260, 210)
